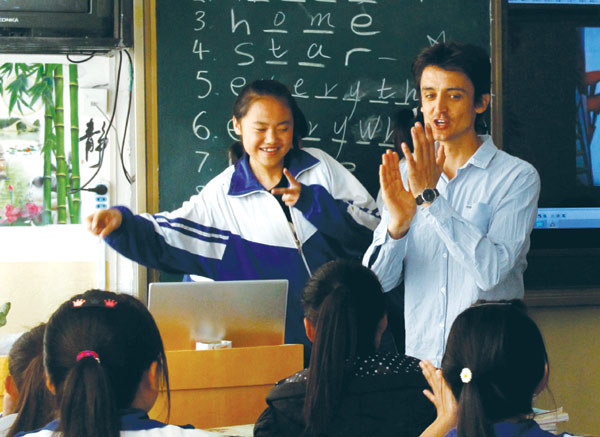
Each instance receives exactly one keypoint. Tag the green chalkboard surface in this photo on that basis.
(346, 61)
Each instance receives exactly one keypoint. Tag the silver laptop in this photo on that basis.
(247, 313)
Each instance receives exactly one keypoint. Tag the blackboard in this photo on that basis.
(346, 61)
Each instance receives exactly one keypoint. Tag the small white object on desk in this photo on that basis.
(213, 345)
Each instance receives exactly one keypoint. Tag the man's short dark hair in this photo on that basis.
(469, 59)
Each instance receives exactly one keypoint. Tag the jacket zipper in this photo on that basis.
(297, 240)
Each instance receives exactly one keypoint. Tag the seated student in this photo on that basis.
(495, 363)
(348, 389)
(104, 359)
(27, 404)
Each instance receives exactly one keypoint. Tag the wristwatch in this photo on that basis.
(428, 195)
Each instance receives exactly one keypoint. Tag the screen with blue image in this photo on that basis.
(550, 117)
(551, 90)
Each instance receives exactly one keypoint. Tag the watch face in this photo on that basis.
(429, 195)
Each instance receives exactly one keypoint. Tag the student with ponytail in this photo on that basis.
(104, 359)
(349, 389)
(494, 364)
(28, 404)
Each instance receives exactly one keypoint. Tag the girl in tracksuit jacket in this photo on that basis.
(279, 213)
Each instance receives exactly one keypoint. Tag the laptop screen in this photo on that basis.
(247, 313)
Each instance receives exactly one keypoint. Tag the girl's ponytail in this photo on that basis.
(335, 339)
(471, 413)
(87, 406)
(36, 403)
(344, 303)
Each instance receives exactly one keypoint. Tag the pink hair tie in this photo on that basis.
(85, 354)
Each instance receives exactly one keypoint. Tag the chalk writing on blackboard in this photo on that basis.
(440, 38)
(203, 157)
(347, 63)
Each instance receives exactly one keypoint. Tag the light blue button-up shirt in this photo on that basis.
(469, 244)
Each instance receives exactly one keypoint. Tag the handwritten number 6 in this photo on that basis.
(201, 131)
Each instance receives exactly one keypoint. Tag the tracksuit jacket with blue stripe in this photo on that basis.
(236, 230)
(134, 423)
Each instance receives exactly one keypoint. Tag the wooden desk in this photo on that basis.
(224, 387)
(218, 388)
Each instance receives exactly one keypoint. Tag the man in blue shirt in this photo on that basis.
(458, 211)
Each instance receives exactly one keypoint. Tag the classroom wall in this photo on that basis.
(44, 266)
(572, 336)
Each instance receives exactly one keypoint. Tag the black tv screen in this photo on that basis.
(551, 95)
(66, 26)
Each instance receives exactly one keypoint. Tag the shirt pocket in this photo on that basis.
(478, 214)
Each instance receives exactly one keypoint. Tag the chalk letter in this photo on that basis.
(321, 17)
(354, 25)
(410, 92)
(340, 130)
(369, 131)
(356, 97)
(236, 84)
(239, 52)
(319, 51)
(389, 131)
(349, 52)
(384, 88)
(235, 25)
(274, 50)
(297, 86)
(279, 19)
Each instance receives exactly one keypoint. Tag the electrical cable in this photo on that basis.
(129, 178)
(72, 61)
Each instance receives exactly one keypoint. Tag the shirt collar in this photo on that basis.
(484, 154)
(243, 180)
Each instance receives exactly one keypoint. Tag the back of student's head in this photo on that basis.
(344, 303)
(97, 347)
(469, 59)
(271, 88)
(495, 360)
(35, 406)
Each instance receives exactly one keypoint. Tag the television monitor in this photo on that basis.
(556, 2)
(66, 26)
(551, 95)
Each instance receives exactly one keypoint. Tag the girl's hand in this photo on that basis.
(105, 221)
(291, 194)
(442, 397)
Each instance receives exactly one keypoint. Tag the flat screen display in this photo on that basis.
(551, 107)
(587, 141)
(556, 2)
